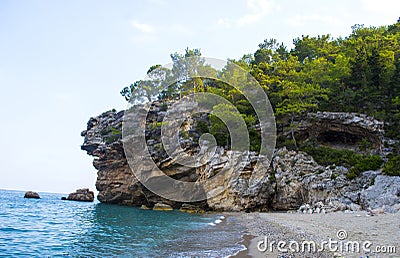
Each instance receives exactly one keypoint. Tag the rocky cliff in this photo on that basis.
(292, 179)
(342, 129)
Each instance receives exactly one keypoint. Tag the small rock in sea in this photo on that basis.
(144, 207)
(82, 195)
(162, 207)
(63, 198)
(32, 195)
(191, 208)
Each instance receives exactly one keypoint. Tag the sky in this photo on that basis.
(62, 62)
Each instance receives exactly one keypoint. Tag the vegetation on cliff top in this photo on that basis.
(359, 73)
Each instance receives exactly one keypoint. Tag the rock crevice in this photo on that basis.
(343, 130)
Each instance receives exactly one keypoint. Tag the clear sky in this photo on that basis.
(62, 62)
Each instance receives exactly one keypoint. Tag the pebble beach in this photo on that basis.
(381, 230)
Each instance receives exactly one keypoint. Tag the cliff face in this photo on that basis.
(342, 129)
(292, 179)
(115, 181)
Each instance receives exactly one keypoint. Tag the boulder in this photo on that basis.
(383, 194)
(144, 207)
(189, 208)
(162, 207)
(82, 195)
(31, 195)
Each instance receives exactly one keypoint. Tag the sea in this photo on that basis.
(50, 227)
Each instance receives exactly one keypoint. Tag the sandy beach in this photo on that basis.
(375, 236)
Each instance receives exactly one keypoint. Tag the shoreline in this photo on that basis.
(246, 242)
(381, 230)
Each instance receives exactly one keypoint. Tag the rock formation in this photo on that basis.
(162, 207)
(32, 195)
(292, 180)
(191, 208)
(342, 129)
(383, 194)
(82, 195)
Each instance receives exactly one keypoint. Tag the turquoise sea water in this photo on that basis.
(49, 227)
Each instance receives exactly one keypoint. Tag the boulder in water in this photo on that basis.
(162, 207)
(189, 208)
(32, 195)
(82, 195)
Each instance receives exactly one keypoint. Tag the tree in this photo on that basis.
(358, 73)
(297, 93)
(315, 47)
(147, 89)
(190, 72)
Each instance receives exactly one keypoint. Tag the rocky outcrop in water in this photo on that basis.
(162, 207)
(293, 178)
(81, 195)
(191, 208)
(31, 195)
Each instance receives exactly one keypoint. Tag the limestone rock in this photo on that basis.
(82, 195)
(343, 129)
(191, 208)
(116, 181)
(31, 195)
(383, 194)
(162, 207)
(292, 179)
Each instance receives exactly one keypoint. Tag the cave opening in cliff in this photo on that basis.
(338, 139)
